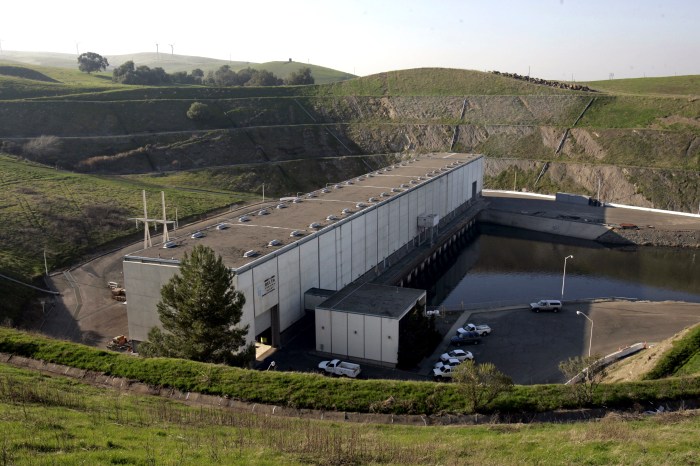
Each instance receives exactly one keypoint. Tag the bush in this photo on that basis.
(198, 112)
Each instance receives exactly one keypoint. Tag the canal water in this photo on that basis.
(506, 266)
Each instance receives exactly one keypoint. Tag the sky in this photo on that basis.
(577, 40)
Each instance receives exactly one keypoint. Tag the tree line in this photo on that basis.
(129, 73)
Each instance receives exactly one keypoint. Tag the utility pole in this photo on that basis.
(172, 49)
(157, 53)
(46, 266)
(77, 50)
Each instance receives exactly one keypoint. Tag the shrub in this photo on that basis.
(198, 112)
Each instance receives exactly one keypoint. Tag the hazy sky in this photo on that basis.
(554, 39)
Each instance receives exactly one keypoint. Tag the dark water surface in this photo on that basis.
(511, 266)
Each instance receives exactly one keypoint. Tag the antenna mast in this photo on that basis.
(166, 237)
(147, 243)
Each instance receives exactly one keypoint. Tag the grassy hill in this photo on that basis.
(63, 421)
(43, 416)
(173, 62)
(665, 86)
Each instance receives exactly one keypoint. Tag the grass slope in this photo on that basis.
(174, 62)
(70, 214)
(314, 391)
(668, 85)
(66, 422)
(61, 421)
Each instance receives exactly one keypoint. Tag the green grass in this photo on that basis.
(70, 214)
(313, 391)
(437, 81)
(668, 85)
(682, 359)
(643, 112)
(61, 421)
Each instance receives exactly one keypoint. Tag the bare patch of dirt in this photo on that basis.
(587, 142)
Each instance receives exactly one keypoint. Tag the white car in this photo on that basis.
(458, 354)
(447, 362)
(444, 371)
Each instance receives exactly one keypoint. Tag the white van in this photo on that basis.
(553, 305)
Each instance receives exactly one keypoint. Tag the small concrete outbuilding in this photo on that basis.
(362, 322)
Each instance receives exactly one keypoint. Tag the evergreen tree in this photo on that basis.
(200, 312)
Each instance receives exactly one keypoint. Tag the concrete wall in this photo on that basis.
(143, 282)
(546, 225)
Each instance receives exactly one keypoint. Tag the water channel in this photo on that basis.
(506, 266)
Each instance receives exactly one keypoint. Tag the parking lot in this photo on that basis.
(527, 346)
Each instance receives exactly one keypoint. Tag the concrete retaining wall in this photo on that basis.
(545, 225)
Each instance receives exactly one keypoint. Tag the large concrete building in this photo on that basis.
(323, 240)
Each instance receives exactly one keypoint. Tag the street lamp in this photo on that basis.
(590, 341)
(563, 277)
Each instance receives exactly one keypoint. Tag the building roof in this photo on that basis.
(373, 299)
(259, 231)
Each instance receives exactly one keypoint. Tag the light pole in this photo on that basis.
(563, 277)
(590, 341)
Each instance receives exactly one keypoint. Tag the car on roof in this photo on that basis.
(458, 354)
(296, 233)
(281, 206)
(222, 226)
(553, 305)
(251, 253)
(263, 212)
(197, 234)
(169, 244)
(274, 242)
(347, 211)
(332, 217)
(244, 218)
(315, 225)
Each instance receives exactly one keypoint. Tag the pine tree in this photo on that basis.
(200, 312)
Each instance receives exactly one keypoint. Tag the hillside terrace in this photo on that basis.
(231, 238)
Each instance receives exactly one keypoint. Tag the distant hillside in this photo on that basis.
(669, 85)
(173, 62)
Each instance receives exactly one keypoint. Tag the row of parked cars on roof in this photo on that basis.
(469, 334)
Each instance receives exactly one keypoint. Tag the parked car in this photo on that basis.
(444, 371)
(466, 338)
(553, 305)
(457, 354)
(447, 362)
(338, 367)
(482, 330)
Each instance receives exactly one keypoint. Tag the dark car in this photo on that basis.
(466, 338)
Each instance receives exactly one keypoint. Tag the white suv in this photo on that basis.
(553, 305)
